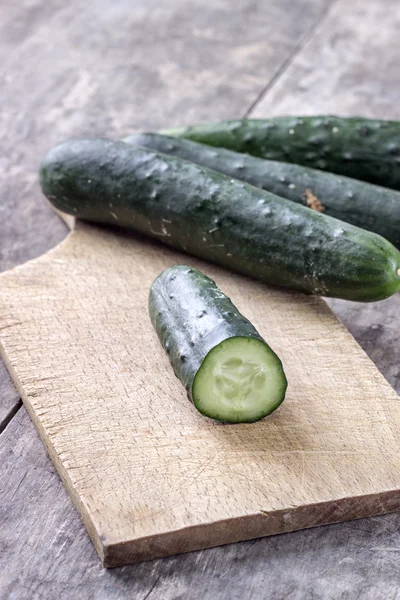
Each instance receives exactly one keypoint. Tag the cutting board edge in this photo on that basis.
(72, 225)
(69, 220)
(77, 501)
(240, 529)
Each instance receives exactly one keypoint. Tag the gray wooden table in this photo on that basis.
(110, 67)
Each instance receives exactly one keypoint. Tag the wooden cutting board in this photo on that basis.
(149, 475)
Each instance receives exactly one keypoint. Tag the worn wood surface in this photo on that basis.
(149, 475)
(109, 68)
(348, 67)
(47, 554)
(44, 550)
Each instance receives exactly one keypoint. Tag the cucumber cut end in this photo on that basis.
(240, 380)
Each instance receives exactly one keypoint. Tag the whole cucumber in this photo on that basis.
(366, 149)
(223, 220)
(229, 371)
(363, 204)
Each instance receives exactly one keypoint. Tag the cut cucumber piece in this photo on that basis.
(239, 380)
(229, 371)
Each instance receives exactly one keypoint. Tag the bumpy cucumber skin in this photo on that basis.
(365, 205)
(191, 316)
(366, 149)
(219, 219)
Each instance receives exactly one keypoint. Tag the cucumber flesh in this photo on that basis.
(238, 381)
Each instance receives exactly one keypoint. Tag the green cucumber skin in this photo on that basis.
(365, 205)
(191, 316)
(219, 219)
(366, 149)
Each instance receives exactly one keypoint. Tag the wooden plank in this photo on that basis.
(61, 77)
(348, 67)
(375, 327)
(46, 553)
(39, 527)
(150, 476)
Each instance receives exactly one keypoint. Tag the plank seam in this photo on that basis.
(9, 417)
(289, 60)
(70, 222)
(148, 594)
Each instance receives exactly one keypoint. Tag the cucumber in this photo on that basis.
(366, 149)
(219, 219)
(229, 372)
(363, 204)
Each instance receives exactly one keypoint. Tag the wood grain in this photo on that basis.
(109, 68)
(44, 550)
(149, 475)
(348, 67)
